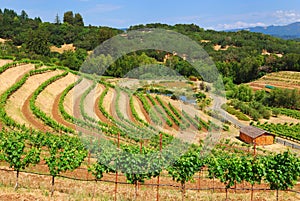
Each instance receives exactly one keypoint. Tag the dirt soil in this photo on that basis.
(35, 122)
(108, 100)
(4, 61)
(125, 106)
(46, 99)
(138, 106)
(75, 94)
(11, 75)
(91, 100)
(56, 113)
(36, 187)
(99, 113)
(65, 47)
(17, 100)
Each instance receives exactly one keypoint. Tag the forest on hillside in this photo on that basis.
(239, 56)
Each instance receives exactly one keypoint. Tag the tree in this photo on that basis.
(184, 168)
(282, 171)
(254, 171)
(57, 20)
(137, 165)
(78, 20)
(37, 42)
(260, 95)
(228, 169)
(65, 153)
(18, 151)
(23, 15)
(69, 17)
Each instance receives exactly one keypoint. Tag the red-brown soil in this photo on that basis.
(32, 118)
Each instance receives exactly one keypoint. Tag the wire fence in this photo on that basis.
(201, 181)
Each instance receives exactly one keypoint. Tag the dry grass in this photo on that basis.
(65, 47)
(16, 101)
(108, 100)
(90, 101)
(2, 40)
(219, 47)
(46, 99)
(73, 95)
(34, 187)
(4, 61)
(282, 79)
(11, 75)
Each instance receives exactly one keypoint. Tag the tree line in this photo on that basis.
(242, 61)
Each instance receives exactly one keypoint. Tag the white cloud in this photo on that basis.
(286, 16)
(238, 25)
(279, 17)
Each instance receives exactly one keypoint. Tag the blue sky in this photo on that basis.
(211, 14)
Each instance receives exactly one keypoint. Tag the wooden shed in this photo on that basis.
(251, 135)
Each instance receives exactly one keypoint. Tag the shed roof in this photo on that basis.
(253, 132)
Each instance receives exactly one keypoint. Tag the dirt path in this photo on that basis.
(79, 90)
(45, 100)
(56, 113)
(191, 128)
(57, 116)
(144, 115)
(128, 112)
(4, 61)
(72, 97)
(99, 113)
(90, 101)
(35, 122)
(109, 100)
(113, 103)
(164, 125)
(17, 100)
(124, 105)
(11, 75)
(138, 105)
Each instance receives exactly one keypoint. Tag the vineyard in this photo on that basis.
(72, 127)
(282, 79)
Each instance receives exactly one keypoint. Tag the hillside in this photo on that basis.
(290, 31)
(243, 56)
(80, 112)
(79, 123)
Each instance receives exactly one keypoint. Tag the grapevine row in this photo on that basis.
(63, 153)
(287, 112)
(285, 130)
(182, 125)
(159, 110)
(147, 107)
(191, 120)
(5, 96)
(178, 115)
(40, 114)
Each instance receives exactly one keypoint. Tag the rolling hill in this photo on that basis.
(290, 31)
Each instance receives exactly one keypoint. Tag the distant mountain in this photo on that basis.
(290, 31)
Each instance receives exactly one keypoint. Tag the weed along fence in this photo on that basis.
(116, 184)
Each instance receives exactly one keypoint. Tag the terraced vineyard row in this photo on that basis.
(52, 114)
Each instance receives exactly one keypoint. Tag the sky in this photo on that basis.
(210, 14)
